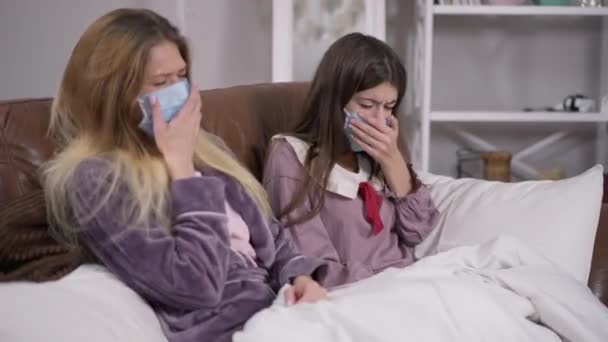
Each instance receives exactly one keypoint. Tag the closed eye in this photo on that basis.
(159, 84)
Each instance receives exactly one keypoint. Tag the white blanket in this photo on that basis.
(498, 291)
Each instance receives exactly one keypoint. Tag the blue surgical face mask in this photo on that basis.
(170, 99)
(350, 117)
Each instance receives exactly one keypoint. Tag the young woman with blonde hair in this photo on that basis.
(158, 201)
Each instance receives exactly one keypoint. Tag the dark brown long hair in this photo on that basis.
(353, 63)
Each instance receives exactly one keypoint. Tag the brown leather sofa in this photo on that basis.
(244, 116)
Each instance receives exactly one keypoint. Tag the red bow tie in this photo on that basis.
(372, 202)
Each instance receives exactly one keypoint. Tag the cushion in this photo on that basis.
(89, 304)
(557, 218)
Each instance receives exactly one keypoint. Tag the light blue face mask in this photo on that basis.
(170, 99)
(350, 117)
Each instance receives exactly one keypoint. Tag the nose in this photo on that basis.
(381, 112)
(376, 112)
(174, 79)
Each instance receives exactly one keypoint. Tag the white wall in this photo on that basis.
(36, 38)
(231, 40)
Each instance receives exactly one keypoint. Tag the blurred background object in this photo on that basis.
(497, 165)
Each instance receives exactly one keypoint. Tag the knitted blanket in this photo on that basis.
(27, 250)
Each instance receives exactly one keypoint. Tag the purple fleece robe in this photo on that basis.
(199, 287)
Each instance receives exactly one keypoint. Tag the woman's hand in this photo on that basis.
(378, 138)
(176, 139)
(304, 290)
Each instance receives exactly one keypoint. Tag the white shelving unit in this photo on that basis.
(426, 116)
(519, 10)
(482, 116)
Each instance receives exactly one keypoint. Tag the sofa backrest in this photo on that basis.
(246, 117)
(23, 146)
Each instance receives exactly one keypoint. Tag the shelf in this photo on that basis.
(481, 116)
(519, 10)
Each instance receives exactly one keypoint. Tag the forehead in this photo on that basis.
(164, 58)
(384, 92)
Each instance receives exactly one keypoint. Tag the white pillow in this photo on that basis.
(557, 218)
(89, 304)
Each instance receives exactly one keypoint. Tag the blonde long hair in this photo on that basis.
(92, 116)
